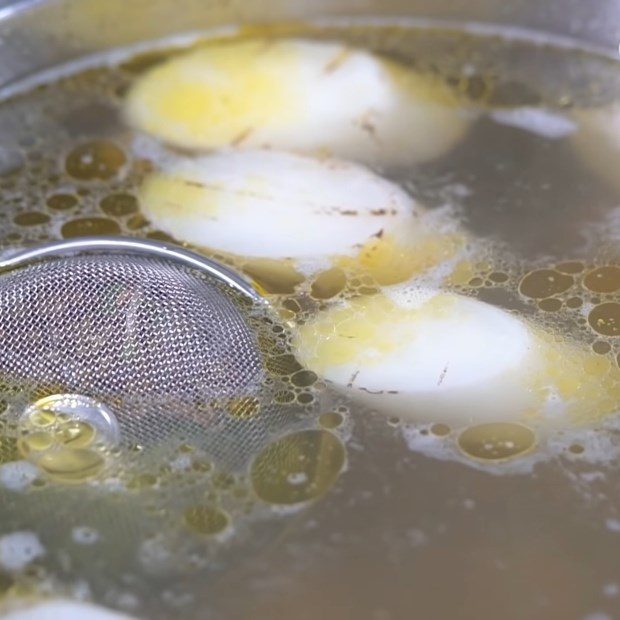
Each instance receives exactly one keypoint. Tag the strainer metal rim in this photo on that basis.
(131, 245)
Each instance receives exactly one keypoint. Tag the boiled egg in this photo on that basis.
(271, 206)
(298, 95)
(426, 355)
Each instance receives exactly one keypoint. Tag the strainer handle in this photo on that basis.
(134, 246)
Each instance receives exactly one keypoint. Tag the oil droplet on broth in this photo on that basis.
(605, 319)
(33, 218)
(550, 304)
(603, 279)
(206, 520)
(99, 159)
(440, 430)
(71, 465)
(273, 276)
(544, 283)
(329, 283)
(62, 202)
(331, 419)
(497, 441)
(298, 468)
(601, 347)
(76, 434)
(85, 226)
(119, 205)
(64, 446)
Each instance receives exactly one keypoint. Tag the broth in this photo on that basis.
(388, 518)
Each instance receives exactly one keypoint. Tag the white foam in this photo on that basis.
(539, 121)
(19, 549)
(18, 475)
(84, 535)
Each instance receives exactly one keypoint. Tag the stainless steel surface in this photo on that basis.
(36, 34)
(128, 245)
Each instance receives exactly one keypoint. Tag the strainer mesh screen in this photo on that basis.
(164, 347)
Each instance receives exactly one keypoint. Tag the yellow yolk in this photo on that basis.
(210, 98)
(390, 260)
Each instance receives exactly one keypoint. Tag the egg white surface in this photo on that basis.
(297, 95)
(274, 204)
(422, 355)
(425, 355)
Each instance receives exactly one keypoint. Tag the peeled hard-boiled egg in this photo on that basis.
(297, 95)
(597, 141)
(271, 206)
(442, 357)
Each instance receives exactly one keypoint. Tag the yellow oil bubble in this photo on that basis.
(305, 398)
(603, 279)
(304, 378)
(601, 347)
(498, 277)
(99, 159)
(119, 205)
(86, 226)
(75, 434)
(206, 520)
(550, 304)
(160, 235)
(42, 417)
(329, 283)
(38, 441)
(498, 441)
(576, 449)
(298, 468)
(330, 419)
(274, 276)
(574, 302)
(441, 430)
(32, 218)
(544, 283)
(61, 202)
(72, 465)
(136, 222)
(605, 319)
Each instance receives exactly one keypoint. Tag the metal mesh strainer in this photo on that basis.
(168, 349)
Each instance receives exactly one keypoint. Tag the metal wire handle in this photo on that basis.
(130, 245)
